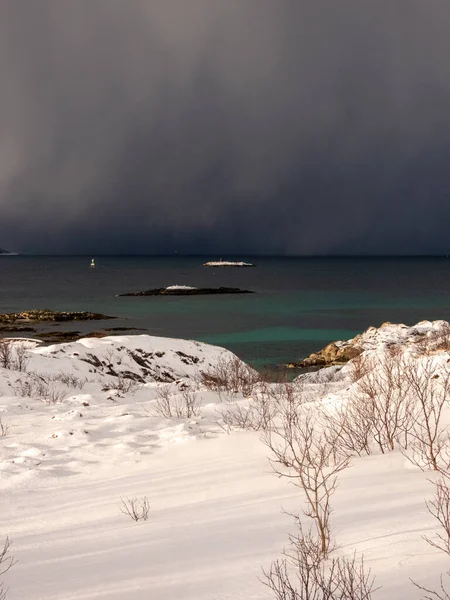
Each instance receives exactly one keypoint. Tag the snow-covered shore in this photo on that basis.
(340, 351)
(82, 433)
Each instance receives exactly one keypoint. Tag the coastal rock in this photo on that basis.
(335, 353)
(433, 335)
(51, 315)
(56, 337)
(184, 290)
(16, 329)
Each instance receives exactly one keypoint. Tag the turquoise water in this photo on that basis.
(300, 304)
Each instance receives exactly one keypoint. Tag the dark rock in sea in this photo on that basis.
(94, 334)
(188, 291)
(16, 329)
(57, 337)
(227, 263)
(124, 329)
(51, 315)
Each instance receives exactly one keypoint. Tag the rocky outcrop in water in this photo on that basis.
(188, 291)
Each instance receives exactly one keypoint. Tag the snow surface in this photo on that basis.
(216, 512)
(180, 287)
(390, 334)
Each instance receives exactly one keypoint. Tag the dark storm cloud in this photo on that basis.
(270, 126)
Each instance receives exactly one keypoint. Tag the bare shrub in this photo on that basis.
(429, 390)
(257, 416)
(21, 358)
(6, 563)
(286, 392)
(230, 376)
(303, 574)
(190, 404)
(353, 424)
(181, 403)
(136, 508)
(38, 386)
(4, 428)
(284, 399)
(6, 353)
(398, 401)
(310, 459)
(164, 405)
(124, 385)
(54, 395)
(13, 354)
(35, 386)
(274, 375)
(70, 380)
(303, 559)
(442, 594)
(439, 508)
(381, 396)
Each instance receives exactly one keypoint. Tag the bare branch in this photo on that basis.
(6, 563)
(303, 574)
(230, 376)
(136, 508)
(181, 403)
(309, 458)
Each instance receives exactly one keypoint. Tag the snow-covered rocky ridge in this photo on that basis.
(388, 334)
(84, 426)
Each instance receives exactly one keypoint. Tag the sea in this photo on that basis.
(298, 306)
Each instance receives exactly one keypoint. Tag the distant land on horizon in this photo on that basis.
(226, 256)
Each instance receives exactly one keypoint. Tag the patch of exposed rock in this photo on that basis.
(336, 353)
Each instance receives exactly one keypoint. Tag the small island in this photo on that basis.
(187, 290)
(4, 252)
(227, 263)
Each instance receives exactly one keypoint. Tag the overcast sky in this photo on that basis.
(225, 126)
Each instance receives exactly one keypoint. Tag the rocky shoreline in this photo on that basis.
(335, 353)
(432, 334)
(37, 316)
